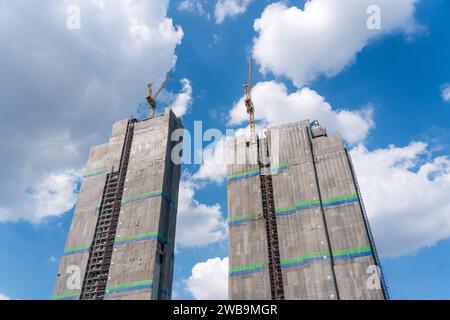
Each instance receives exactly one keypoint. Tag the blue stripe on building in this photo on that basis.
(239, 273)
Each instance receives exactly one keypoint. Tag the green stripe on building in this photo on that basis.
(316, 202)
(244, 217)
(66, 295)
(140, 236)
(286, 209)
(298, 204)
(244, 173)
(142, 195)
(129, 285)
(325, 253)
(255, 171)
(95, 172)
(247, 268)
(352, 251)
(343, 198)
(82, 247)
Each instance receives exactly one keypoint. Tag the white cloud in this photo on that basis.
(209, 280)
(53, 196)
(275, 106)
(64, 88)
(53, 259)
(324, 37)
(193, 6)
(406, 193)
(213, 167)
(189, 5)
(198, 224)
(183, 100)
(230, 8)
(4, 297)
(445, 92)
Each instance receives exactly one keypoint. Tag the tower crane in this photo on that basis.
(249, 102)
(151, 99)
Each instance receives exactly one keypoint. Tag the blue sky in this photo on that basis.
(391, 83)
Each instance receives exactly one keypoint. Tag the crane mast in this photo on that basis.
(151, 99)
(248, 101)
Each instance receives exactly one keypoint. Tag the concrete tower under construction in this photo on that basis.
(121, 241)
(298, 228)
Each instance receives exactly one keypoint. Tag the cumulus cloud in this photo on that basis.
(445, 92)
(405, 190)
(54, 195)
(275, 106)
(62, 89)
(183, 100)
(209, 280)
(198, 224)
(230, 8)
(324, 37)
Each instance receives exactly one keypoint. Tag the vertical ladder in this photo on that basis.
(99, 262)
(268, 203)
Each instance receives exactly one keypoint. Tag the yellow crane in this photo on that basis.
(249, 102)
(151, 99)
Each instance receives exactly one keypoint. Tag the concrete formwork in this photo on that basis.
(146, 231)
(323, 238)
(248, 277)
(304, 247)
(351, 245)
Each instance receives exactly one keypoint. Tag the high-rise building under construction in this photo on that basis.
(298, 228)
(121, 241)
